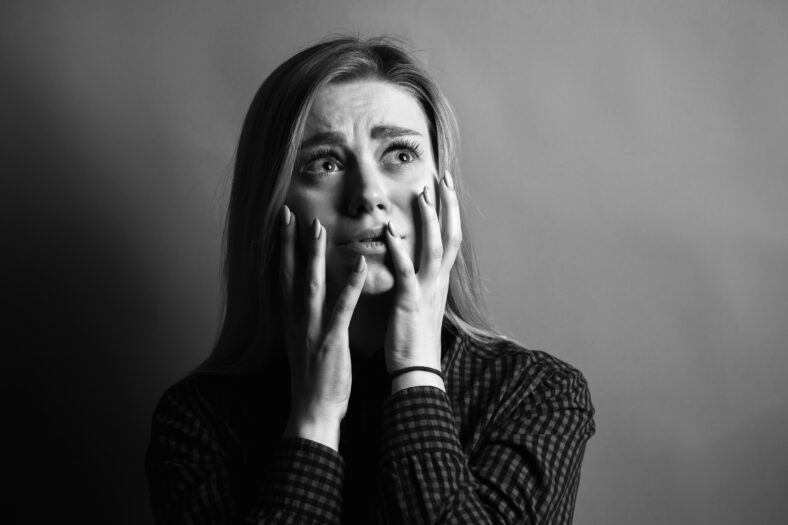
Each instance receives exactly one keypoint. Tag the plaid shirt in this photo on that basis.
(503, 444)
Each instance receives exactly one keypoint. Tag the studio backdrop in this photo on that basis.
(628, 170)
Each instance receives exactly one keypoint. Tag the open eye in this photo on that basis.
(322, 166)
(402, 152)
(405, 156)
(321, 163)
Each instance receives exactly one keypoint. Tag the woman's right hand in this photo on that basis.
(318, 350)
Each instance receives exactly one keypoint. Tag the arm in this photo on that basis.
(195, 463)
(525, 469)
(194, 467)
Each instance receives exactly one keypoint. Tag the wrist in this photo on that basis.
(323, 431)
(416, 378)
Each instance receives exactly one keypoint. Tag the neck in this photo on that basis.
(368, 328)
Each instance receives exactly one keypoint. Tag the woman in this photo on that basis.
(352, 288)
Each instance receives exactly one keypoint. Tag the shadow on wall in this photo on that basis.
(81, 306)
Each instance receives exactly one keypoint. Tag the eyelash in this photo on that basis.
(412, 145)
(318, 154)
(324, 152)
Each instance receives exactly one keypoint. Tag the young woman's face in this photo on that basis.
(365, 157)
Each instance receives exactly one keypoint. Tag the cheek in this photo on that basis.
(411, 220)
(306, 206)
(301, 203)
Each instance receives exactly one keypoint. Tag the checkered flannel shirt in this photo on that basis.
(503, 444)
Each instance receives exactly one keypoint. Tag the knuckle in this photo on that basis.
(409, 305)
(328, 342)
(312, 288)
(344, 304)
(455, 240)
(356, 280)
(435, 252)
(405, 272)
(309, 342)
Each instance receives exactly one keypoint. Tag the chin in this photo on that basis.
(379, 280)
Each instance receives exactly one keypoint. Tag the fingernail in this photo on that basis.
(447, 178)
(391, 229)
(426, 195)
(316, 228)
(359, 264)
(286, 215)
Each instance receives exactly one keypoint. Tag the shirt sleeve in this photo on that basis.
(525, 469)
(194, 472)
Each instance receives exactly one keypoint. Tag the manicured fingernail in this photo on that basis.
(448, 180)
(391, 229)
(359, 264)
(286, 215)
(426, 194)
(316, 228)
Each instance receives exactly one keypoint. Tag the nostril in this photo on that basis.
(362, 201)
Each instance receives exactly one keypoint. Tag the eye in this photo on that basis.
(405, 157)
(321, 163)
(402, 152)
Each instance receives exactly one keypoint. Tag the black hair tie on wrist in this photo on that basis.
(401, 371)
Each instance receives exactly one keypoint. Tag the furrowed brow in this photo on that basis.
(326, 137)
(392, 132)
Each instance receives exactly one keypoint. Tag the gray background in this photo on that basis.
(629, 172)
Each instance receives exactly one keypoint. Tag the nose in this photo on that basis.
(367, 190)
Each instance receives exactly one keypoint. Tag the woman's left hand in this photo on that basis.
(413, 337)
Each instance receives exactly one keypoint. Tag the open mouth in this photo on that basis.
(371, 239)
(368, 243)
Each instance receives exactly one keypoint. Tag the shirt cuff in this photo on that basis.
(306, 478)
(418, 420)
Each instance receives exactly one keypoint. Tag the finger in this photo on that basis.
(287, 255)
(348, 298)
(314, 287)
(431, 244)
(451, 227)
(403, 266)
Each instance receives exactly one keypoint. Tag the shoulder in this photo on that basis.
(197, 391)
(202, 401)
(212, 392)
(238, 404)
(504, 361)
(194, 403)
(510, 377)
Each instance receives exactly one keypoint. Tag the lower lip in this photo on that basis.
(366, 247)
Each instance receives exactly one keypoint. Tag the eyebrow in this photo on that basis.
(378, 132)
(391, 132)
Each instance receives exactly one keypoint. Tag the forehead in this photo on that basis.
(351, 107)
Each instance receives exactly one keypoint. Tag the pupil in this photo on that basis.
(327, 165)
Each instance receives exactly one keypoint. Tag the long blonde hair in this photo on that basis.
(265, 159)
